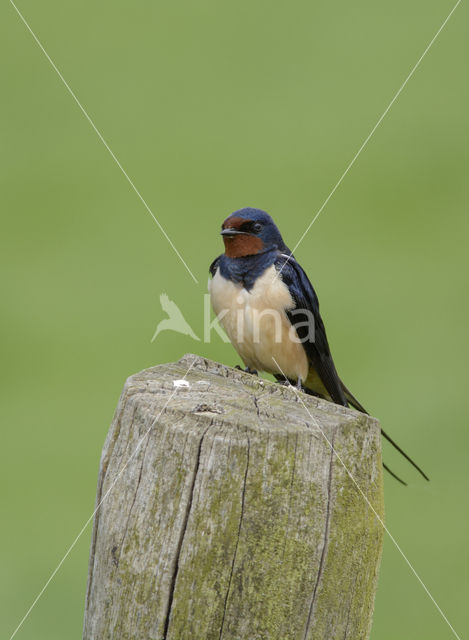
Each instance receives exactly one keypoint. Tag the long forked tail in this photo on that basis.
(354, 402)
(403, 453)
(394, 475)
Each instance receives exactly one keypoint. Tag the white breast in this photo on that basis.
(257, 325)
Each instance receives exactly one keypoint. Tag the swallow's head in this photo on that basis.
(250, 231)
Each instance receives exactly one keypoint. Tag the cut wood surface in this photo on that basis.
(225, 514)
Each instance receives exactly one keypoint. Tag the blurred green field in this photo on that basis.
(212, 106)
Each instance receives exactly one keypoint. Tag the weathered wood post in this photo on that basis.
(233, 519)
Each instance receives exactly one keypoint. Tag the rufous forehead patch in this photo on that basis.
(234, 222)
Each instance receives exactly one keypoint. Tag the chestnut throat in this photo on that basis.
(242, 245)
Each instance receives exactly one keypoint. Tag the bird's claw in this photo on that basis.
(247, 370)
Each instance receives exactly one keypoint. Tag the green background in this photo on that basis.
(211, 106)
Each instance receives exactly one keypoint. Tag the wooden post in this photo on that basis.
(225, 514)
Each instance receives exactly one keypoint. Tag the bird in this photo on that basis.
(270, 311)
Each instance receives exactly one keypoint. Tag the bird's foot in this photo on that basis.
(285, 382)
(247, 370)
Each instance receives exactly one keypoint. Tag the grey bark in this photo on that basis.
(224, 513)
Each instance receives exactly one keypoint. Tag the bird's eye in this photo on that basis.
(257, 227)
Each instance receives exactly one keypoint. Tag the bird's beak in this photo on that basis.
(232, 232)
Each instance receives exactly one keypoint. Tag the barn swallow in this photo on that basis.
(270, 311)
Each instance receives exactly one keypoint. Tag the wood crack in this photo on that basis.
(181, 537)
(243, 497)
(325, 544)
(257, 406)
